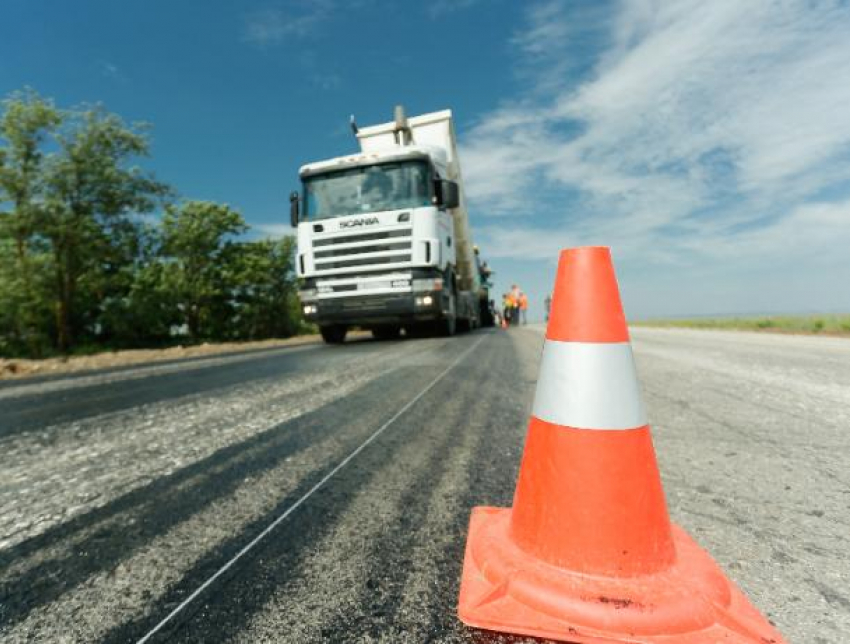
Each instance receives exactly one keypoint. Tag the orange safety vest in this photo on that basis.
(523, 302)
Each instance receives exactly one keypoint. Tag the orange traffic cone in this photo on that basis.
(588, 554)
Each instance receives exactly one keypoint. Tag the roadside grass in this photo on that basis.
(832, 324)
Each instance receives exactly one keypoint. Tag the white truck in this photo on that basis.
(383, 235)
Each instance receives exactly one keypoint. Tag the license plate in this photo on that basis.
(368, 286)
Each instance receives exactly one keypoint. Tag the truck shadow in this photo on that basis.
(60, 559)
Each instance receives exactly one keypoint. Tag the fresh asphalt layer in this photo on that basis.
(321, 494)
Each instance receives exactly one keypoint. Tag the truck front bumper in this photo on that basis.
(376, 310)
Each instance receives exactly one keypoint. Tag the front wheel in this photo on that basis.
(333, 334)
(448, 325)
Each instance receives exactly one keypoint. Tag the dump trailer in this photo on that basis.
(384, 241)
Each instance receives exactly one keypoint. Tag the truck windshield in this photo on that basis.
(387, 186)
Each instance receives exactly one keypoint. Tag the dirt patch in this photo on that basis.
(13, 368)
(620, 603)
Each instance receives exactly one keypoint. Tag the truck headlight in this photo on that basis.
(425, 300)
(309, 309)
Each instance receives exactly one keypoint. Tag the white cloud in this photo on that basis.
(816, 231)
(274, 25)
(110, 70)
(547, 24)
(707, 129)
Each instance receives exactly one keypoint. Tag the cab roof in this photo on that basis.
(401, 153)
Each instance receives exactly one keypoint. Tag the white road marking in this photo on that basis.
(306, 496)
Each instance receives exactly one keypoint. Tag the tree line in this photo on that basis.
(95, 251)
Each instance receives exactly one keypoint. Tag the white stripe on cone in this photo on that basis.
(589, 386)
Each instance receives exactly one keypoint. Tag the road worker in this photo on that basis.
(507, 308)
(515, 295)
(523, 307)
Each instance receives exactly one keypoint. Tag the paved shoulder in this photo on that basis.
(751, 433)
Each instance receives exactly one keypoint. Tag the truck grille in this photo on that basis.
(402, 245)
(360, 284)
(363, 262)
(347, 252)
(403, 232)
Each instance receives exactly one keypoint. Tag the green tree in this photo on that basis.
(138, 307)
(27, 121)
(79, 262)
(266, 297)
(201, 268)
(92, 194)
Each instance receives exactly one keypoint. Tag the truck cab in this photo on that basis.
(383, 240)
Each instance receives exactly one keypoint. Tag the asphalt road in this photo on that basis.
(352, 471)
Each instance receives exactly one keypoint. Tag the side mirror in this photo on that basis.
(293, 208)
(449, 194)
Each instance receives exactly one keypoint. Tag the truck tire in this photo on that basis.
(386, 332)
(447, 326)
(485, 315)
(465, 324)
(333, 334)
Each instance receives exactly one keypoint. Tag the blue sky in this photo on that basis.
(708, 143)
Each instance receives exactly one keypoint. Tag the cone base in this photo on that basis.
(505, 589)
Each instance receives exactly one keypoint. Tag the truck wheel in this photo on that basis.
(448, 325)
(386, 332)
(333, 334)
(485, 315)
